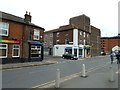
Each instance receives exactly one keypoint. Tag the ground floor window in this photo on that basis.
(35, 51)
(80, 52)
(16, 51)
(4, 50)
(75, 52)
(68, 50)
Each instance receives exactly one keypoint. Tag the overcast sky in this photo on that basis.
(50, 14)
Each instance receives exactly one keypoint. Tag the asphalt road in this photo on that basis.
(33, 76)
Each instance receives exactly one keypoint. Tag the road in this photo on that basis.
(33, 76)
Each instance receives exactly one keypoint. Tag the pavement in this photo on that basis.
(26, 64)
(105, 76)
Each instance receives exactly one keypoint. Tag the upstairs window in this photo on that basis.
(66, 41)
(4, 27)
(35, 34)
(51, 35)
(57, 41)
(81, 42)
(58, 34)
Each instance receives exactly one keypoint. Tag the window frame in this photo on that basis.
(15, 49)
(35, 30)
(6, 51)
(3, 28)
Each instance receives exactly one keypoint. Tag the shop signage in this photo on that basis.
(9, 41)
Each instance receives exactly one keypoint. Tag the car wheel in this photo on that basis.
(63, 57)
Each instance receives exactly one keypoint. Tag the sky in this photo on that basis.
(51, 14)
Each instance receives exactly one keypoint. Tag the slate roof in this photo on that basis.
(114, 37)
(10, 17)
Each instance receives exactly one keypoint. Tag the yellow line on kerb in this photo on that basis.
(43, 84)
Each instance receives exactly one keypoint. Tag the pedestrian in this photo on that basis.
(118, 57)
(111, 56)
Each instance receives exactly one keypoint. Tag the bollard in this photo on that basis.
(112, 79)
(57, 83)
(83, 71)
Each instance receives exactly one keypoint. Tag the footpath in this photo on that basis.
(26, 64)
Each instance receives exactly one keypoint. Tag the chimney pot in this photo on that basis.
(27, 17)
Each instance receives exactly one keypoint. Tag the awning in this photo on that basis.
(36, 43)
(68, 48)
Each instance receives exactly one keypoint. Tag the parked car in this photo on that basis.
(69, 56)
(103, 53)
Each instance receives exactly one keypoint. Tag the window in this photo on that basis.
(84, 34)
(35, 51)
(66, 41)
(3, 49)
(51, 35)
(57, 41)
(58, 34)
(51, 42)
(66, 34)
(16, 51)
(87, 35)
(4, 29)
(36, 35)
(46, 35)
(81, 32)
(81, 41)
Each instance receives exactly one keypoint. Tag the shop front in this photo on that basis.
(35, 51)
(10, 51)
(76, 51)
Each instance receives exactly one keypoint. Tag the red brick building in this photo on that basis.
(107, 43)
(79, 32)
(20, 39)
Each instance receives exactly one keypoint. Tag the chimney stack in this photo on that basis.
(27, 17)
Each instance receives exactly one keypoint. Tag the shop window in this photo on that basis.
(16, 51)
(35, 51)
(3, 50)
(4, 27)
(68, 50)
(80, 52)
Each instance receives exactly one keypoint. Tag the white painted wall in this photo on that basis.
(58, 50)
(75, 37)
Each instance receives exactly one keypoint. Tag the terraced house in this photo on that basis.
(79, 38)
(21, 40)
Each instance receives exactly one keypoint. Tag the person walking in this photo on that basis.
(118, 57)
(112, 58)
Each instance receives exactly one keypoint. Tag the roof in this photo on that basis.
(10, 17)
(114, 37)
(63, 28)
